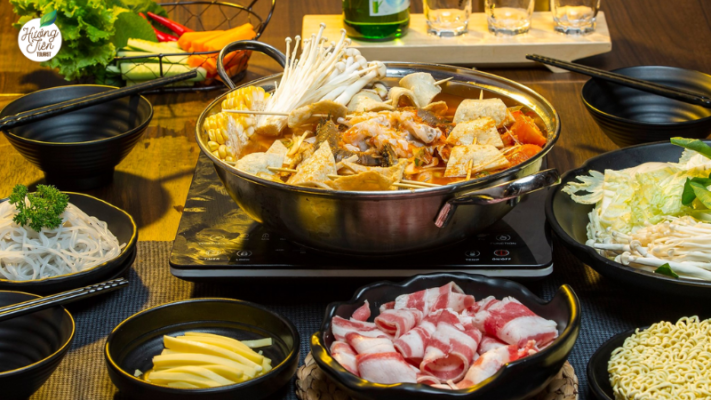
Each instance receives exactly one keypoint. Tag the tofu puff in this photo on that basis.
(482, 158)
(369, 178)
(479, 131)
(471, 109)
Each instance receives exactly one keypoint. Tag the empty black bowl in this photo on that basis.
(630, 116)
(518, 380)
(569, 220)
(120, 223)
(79, 150)
(133, 343)
(31, 346)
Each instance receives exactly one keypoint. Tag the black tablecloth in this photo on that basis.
(607, 308)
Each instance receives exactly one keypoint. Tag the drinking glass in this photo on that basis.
(575, 16)
(447, 17)
(509, 17)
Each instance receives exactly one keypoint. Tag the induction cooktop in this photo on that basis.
(217, 240)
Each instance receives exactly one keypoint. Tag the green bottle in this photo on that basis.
(376, 19)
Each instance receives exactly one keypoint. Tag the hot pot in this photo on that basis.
(390, 222)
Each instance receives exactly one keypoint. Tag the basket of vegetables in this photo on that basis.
(125, 42)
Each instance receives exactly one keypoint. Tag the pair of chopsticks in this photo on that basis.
(40, 113)
(650, 87)
(30, 306)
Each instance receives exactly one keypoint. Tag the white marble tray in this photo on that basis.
(479, 47)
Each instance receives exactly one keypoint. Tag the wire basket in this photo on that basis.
(203, 16)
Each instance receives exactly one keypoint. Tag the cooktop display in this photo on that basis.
(217, 240)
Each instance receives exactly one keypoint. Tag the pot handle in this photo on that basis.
(255, 45)
(497, 194)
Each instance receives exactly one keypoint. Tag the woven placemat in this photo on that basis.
(313, 384)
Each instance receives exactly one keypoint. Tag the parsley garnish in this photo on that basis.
(44, 209)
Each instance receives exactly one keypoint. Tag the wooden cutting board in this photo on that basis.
(479, 47)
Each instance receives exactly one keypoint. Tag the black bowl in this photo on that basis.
(598, 377)
(79, 150)
(630, 116)
(518, 380)
(135, 341)
(569, 219)
(31, 346)
(120, 223)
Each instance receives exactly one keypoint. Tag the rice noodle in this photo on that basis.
(79, 243)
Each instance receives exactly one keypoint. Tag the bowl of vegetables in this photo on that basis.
(207, 348)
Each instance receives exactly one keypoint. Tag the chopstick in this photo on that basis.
(30, 306)
(26, 117)
(640, 84)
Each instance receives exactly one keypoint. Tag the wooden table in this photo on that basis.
(153, 181)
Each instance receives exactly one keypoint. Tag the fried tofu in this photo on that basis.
(363, 181)
(401, 97)
(483, 158)
(471, 109)
(393, 173)
(423, 86)
(316, 168)
(258, 164)
(479, 131)
(278, 148)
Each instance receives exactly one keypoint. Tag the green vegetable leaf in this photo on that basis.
(703, 194)
(688, 195)
(693, 144)
(139, 6)
(40, 209)
(130, 25)
(48, 19)
(666, 270)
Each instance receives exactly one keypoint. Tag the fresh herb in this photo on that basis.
(44, 209)
(666, 270)
(693, 144)
(417, 162)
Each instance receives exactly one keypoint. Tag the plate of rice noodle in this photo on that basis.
(665, 361)
(335, 123)
(93, 241)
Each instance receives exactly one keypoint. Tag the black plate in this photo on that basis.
(135, 341)
(121, 225)
(516, 381)
(598, 377)
(31, 346)
(569, 219)
(630, 116)
(79, 150)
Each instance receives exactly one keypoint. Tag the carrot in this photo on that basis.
(242, 32)
(523, 153)
(187, 38)
(199, 43)
(526, 130)
(209, 62)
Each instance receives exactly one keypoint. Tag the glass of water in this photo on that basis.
(447, 17)
(575, 16)
(509, 17)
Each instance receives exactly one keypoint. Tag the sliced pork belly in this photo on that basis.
(511, 322)
(341, 327)
(369, 345)
(489, 343)
(386, 368)
(397, 322)
(345, 355)
(362, 313)
(387, 306)
(448, 296)
(428, 380)
(412, 344)
(451, 348)
(488, 364)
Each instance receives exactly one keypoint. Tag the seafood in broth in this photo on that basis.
(332, 124)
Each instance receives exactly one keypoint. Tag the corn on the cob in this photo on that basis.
(216, 126)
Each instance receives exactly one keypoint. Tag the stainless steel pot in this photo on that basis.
(390, 222)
